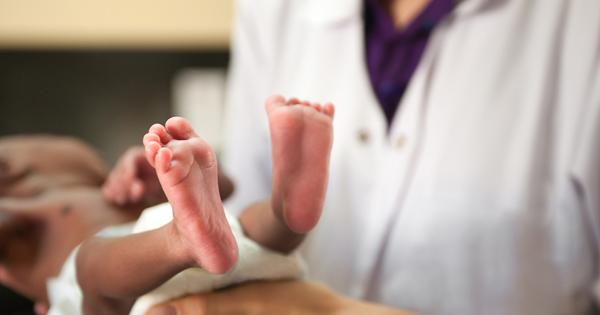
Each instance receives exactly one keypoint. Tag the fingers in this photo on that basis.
(136, 191)
(123, 185)
(114, 190)
(166, 309)
(191, 305)
(279, 297)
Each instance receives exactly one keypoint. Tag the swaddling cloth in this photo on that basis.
(254, 263)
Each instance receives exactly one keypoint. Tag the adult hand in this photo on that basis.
(133, 181)
(282, 297)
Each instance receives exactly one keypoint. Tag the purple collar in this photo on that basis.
(393, 54)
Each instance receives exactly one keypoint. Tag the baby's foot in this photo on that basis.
(187, 169)
(301, 136)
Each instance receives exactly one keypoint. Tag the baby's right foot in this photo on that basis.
(301, 137)
(187, 169)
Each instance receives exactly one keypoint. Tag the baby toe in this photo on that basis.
(329, 110)
(180, 128)
(293, 101)
(316, 106)
(161, 132)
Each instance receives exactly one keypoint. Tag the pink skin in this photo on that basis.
(133, 181)
(187, 169)
(301, 136)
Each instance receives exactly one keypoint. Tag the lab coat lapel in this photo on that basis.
(331, 12)
(399, 160)
(400, 157)
(395, 155)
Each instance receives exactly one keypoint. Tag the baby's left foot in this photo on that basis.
(187, 169)
(301, 138)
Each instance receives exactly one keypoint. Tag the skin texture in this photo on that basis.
(112, 272)
(301, 138)
(403, 12)
(301, 135)
(133, 181)
(33, 171)
(51, 201)
(272, 298)
(30, 165)
(187, 169)
(40, 243)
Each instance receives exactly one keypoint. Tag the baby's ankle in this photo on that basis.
(180, 253)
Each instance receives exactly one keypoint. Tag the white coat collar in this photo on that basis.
(467, 7)
(332, 12)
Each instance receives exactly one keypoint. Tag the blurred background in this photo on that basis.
(104, 71)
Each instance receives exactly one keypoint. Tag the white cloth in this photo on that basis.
(484, 195)
(254, 263)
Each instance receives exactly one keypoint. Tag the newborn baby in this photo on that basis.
(50, 202)
(113, 272)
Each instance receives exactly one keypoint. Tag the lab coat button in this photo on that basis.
(400, 142)
(363, 136)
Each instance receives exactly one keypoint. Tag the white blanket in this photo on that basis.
(254, 263)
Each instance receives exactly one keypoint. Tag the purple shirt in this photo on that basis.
(393, 54)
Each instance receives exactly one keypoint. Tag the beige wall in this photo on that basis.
(115, 24)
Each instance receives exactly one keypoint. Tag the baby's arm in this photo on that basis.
(113, 272)
(301, 136)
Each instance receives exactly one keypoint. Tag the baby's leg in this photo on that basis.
(187, 170)
(301, 136)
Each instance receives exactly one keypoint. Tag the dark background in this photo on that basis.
(109, 99)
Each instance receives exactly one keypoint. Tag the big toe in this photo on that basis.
(274, 100)
(180, 128)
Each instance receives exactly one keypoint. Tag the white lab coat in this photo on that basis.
(484, 195)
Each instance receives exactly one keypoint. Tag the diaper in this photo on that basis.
(254, 263)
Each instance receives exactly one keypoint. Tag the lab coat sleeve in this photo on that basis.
(246, 154)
